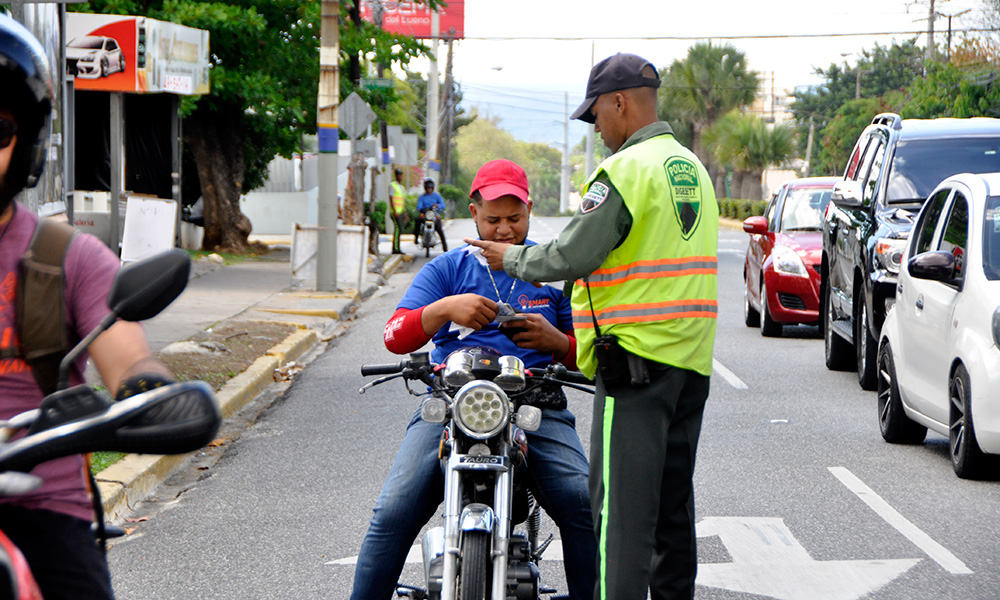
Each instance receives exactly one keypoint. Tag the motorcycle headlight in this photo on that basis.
(481, 409)
(889, 253)
(786, 261)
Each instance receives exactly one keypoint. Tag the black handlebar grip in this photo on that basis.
(563, 374)
(388, 369)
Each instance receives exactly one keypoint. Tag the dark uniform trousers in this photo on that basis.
(643, 445)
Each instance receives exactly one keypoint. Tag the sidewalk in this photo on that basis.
(252, 290)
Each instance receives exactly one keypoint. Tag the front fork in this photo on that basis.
(476, 517)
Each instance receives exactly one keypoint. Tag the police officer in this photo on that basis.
(641, 252)
(397, 208)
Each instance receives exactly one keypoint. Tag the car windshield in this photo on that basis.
(919, 165)
(89, 42)
(804, 209)
(991, 239)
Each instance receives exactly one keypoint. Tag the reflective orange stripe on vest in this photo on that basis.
(651, 269)
(648, 311)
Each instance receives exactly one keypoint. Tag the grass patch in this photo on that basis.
(102, 460)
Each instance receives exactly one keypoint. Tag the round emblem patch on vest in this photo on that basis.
(596, 194)
(686, 196)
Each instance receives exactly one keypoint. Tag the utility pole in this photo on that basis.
(929, 52)
(950, 17)
(432, 131)
(449, 116)
(326, 124)
(590, 130)
(564, 179)
(809, 146)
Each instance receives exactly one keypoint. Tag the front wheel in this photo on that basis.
(475, 553)
(967, 459)
(835, 348)
(896, 427)
(768, 326)
(865, 346)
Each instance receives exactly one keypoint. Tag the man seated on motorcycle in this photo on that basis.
(52, 524)
(430, 199)
(453, 300)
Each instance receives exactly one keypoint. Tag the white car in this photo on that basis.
(93, 56)
(939, 352)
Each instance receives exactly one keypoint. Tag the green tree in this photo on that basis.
(749, 146)
(951, 91)
(711, 81)
(842, 132)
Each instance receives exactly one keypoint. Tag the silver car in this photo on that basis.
(93, 56)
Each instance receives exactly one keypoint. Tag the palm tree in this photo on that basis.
(748, 145)
(711, 81)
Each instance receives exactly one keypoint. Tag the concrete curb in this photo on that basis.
(134, 477)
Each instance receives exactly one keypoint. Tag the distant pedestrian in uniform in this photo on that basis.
(397, 208)
(641, 252)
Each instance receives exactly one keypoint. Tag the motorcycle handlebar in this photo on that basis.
(563, 374)
(172, 419)
(384, 369)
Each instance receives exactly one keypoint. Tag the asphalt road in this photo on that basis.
(798, 497)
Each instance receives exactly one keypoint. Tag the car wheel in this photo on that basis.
(865, 346)
(750, 315)
(121, 65)
(896, 427)
(105, 68)
(768, 326)
(837, 350)
(967, 459)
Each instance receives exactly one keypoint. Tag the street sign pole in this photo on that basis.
(326, 121)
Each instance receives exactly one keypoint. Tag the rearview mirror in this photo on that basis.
(847, 194)
(934, 266)
(755, 225)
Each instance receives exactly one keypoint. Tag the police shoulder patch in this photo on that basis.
(596, 194)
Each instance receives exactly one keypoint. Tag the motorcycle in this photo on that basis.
(428, 233)
(171, 419)
(477, 554)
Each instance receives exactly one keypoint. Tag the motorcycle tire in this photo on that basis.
(472, 577)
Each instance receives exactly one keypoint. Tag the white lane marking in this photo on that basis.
(728, 375)
(769, 561)
(938, 553)
(553, 553)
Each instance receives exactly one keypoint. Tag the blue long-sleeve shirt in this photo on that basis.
(428, 200)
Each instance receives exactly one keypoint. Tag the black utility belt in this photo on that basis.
(617, 366)
(546, 398)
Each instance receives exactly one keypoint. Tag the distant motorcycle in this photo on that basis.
(428, 233)
(477, 554)
(172, 419)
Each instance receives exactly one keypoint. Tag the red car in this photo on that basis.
(782, 266)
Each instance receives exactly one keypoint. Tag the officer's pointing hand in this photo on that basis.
(492, 252)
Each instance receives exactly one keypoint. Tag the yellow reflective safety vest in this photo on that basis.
(656, 292)
(397, 198)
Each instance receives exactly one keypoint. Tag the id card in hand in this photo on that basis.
(507, 313)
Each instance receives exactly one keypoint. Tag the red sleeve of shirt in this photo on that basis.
(569, 361)
(404, 333)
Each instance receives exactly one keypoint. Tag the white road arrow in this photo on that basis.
(769, 561)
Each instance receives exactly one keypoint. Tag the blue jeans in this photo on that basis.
(414, 489)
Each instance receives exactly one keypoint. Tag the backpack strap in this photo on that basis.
(40, 305)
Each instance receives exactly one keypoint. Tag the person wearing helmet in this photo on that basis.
(430, 199)
(51, 525)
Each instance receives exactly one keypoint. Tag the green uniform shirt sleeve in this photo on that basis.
(580, 248)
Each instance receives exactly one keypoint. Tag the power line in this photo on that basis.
(776, 36)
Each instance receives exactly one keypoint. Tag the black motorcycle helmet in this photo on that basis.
(428, 183)
(26, 91)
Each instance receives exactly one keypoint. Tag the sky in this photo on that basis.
(510, 66)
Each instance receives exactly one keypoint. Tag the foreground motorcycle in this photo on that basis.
(172, 419)
(428, 234)
(477, 554)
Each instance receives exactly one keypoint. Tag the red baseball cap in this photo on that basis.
(498, 178)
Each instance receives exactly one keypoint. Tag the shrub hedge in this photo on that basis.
(741, 209)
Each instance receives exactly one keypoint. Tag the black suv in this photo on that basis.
(895, 165)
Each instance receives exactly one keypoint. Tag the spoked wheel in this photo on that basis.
(768, 326)
(865, 346)
(896, 427)
(967, 459)
(476, 563)
(750, 315)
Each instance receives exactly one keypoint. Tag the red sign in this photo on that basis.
(414, 19)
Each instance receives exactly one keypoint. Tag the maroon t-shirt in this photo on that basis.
(90, 267)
